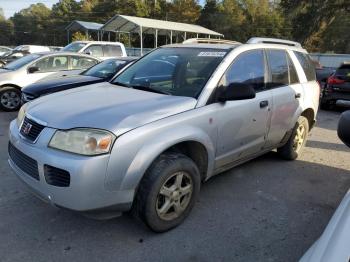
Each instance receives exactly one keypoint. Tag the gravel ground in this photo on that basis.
(265, 210)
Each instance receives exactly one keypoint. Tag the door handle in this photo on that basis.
(297, 95)
(264, 103)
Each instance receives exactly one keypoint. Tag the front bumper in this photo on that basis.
(86, 192)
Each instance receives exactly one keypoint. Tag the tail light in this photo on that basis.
(334, 80)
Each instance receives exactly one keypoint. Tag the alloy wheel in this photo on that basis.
(174, 196)
(299, 138)
(10, 99)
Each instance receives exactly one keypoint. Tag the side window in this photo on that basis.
(293, 76)
(96, 50)
(247, 68)
(82, 62)
(52, 64)
(307, 65)
(112, 50)
(278, 68)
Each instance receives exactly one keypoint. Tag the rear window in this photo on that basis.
(112, 50)
(278, 68)
(307, 64)
(74, 47)
(343, 70)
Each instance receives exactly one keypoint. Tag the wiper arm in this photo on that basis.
(120, 84)
(146, 88)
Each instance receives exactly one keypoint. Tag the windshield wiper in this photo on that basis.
(120, 84)
(146, 88)
(143, 88)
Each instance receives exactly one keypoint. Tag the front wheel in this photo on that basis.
(292, 149)
(10, 99)
(167, 192)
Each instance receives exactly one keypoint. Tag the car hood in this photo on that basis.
(106, 106)
(58, 84)
(333, 245)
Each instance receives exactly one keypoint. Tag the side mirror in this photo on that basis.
(344, 128)
(88, 52)
(33, 69)
(17, 55)
(236, 91)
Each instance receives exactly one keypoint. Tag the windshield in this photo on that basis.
(74, 47)
(18, 63)
(106, 68)
(179, 71)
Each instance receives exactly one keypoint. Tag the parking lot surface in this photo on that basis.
(265, 210)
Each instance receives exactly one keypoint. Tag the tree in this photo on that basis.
(186, 11)
(78, 36)
(7, 31)
(311, 19)
(209, 14)
(262, 19)
(30, 25)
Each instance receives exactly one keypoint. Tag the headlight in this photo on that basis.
(83, 141)
(20, 116)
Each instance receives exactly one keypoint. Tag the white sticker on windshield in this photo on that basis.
(212, 54)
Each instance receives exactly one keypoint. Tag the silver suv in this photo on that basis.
(176, 117)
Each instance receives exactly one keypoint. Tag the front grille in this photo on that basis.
(25, 163)
(30, 129)
(56, 177)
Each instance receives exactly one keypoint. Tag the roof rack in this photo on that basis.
(262, 40)
(210, 41)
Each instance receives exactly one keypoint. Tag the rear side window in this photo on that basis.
(82, 62)
(343, 71)
(293, 76)
(96, 50)
(112, 50)
(278, 68)
(247, 68)
(307, 65)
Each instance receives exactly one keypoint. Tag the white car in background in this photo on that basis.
(334, 243)
(4, 49)
(34, 67)
(100, 49)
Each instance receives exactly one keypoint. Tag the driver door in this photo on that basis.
(243, 124)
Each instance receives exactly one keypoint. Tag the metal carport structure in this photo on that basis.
(83, 26)
(143, 26)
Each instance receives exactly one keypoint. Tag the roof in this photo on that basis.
(78, 25)
(124, 23)
(209, 46)
(56, 53)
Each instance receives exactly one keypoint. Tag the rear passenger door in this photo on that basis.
(242, 125)
(287, 93)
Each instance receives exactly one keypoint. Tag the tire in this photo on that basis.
(325, 106)
(150, 204)
(10, 99)
(292, 150)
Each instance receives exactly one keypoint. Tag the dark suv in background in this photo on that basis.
(337, 89)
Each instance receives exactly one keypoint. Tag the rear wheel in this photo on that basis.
(167, 192)
(325, 106)
(10, 98)
(292, 149)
